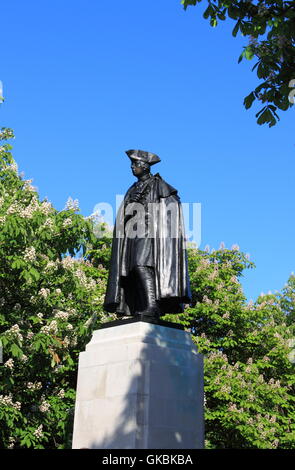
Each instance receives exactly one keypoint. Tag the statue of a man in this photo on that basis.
(148, 273)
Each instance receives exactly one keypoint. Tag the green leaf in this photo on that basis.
(248, 101)
(249, 53)
(233, 12)
(34, 274)
(236, 29)
(266, 117)
(16, 350)
(208, 12)
(241, 57)
(187, 3)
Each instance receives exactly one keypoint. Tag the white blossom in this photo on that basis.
(88, 322)
(234, 279)
(25, 212)
(50, 265)
(15, 331)
(48, 223)
(206, 300)
(30, 254)
(72, 204)
(226, 315)
(220, 286)
(46, 207)
(6, 134)
(74, 341)
(67, 222)
(7, 400)
(61, 393)
(39, 431)
(51, 328)
(232, 407)
(28, 186)
(68, 262)
(235, 247)
(44, 406)
(44, 292)
(205, 262)
(13, 166)
(61, 315)
(213, 275)
(11, 443)
(9, 364)
(34, 385)
(88, 283)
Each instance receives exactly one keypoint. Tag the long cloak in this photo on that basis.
(169, 252)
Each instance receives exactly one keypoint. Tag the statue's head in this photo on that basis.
(141, 161)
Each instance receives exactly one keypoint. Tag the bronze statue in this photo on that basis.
(148, 273)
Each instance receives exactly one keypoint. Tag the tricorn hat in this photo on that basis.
(141, 155)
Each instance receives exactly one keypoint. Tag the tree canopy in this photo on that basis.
(51, 297)
(269, 26)
(249, 370)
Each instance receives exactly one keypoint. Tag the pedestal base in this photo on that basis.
(140, 386)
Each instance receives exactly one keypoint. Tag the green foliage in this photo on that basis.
(249, 370)
(50, 300)
(270, 28)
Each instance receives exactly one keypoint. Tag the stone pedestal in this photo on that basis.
(140, 386)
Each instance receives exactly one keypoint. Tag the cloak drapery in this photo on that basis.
(167, 238)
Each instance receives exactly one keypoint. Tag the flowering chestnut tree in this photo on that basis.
(50, 299)
(249, 366)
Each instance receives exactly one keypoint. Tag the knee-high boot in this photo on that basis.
(147, 291)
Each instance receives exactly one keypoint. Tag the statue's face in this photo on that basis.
(138, 168)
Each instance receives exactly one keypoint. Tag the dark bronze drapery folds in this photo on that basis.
(152, 211)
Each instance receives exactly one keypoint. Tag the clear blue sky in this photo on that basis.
(85, 80)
